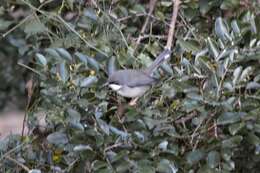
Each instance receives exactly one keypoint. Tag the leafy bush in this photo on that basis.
(202, 117)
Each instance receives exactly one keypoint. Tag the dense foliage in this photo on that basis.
(202, 117)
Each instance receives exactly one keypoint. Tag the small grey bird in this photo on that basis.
(134, 83)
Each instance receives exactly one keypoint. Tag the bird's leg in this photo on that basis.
(133, 101)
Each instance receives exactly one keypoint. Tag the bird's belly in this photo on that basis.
(133, 91)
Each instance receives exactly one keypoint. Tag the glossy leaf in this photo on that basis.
(86, 82)
(213, 49)
(193, 157)
(57, 138)
(220, 29)
(63, 71)
(41, 59)
(111, 66)
(232, 142)
(228, 118)
(213, 159)
(64, 53)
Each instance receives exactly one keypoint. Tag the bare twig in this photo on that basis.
(145, 36)
(29, 88)
(186, 118)
(116, 145)
(24, 20)
(17, 163)
(59, 19)
(16, 26)
(29, 68)
(173, 22)
(112, 22)
(151, 8)
(194, 133)
(15, 148)
(119, 113)
(140, 15)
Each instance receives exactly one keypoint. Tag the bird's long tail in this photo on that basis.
(158, 61)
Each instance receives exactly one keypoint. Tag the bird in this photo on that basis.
(133, 83)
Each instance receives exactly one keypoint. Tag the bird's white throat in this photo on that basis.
(115, 87)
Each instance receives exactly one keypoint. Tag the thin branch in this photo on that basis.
(145, 36)
(186, 118)
(111, 21)
(151, 8)
(122, 19)
(61, 20)
(16, 26)
(33, 70)
(173, 23)
(24, 20)
(17, 163)
(116, 145)
(15, 148)
(29, 88)
(189, 26)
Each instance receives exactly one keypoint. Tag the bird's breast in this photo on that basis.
(132, 92)
(115, 87)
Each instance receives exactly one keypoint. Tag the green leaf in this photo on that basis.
(64, 53)
(245, 74)
(145, 60)
(168, 91)
(4, 24)
(82, 58)
(213, 49)
(74, 118)
(80, 148)
(205, 6)
(167, 68)
(111, 65)
(166, 166)
(213, 159)
(253, 139)
(253, 85)
(235, 27)
(236, 74)
(145, 166)
(166, 3)
(221, 29)
(253, 24)
(138, 8)
(41, 59)
(189, 45)
(232, 142)
(86, 82)
(163, 145)
(63, 71)
(57, 138)
(53, 53)
(229, 118)
(103, 126)
(34, 26)
(92, 63)
(193, 157)
(229, 4)
(234, 128)
(90, 13)
(34, 171)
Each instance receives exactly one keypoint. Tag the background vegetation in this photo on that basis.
(204, 115)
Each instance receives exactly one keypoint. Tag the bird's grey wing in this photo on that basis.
(138, 78)
(131, 78)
